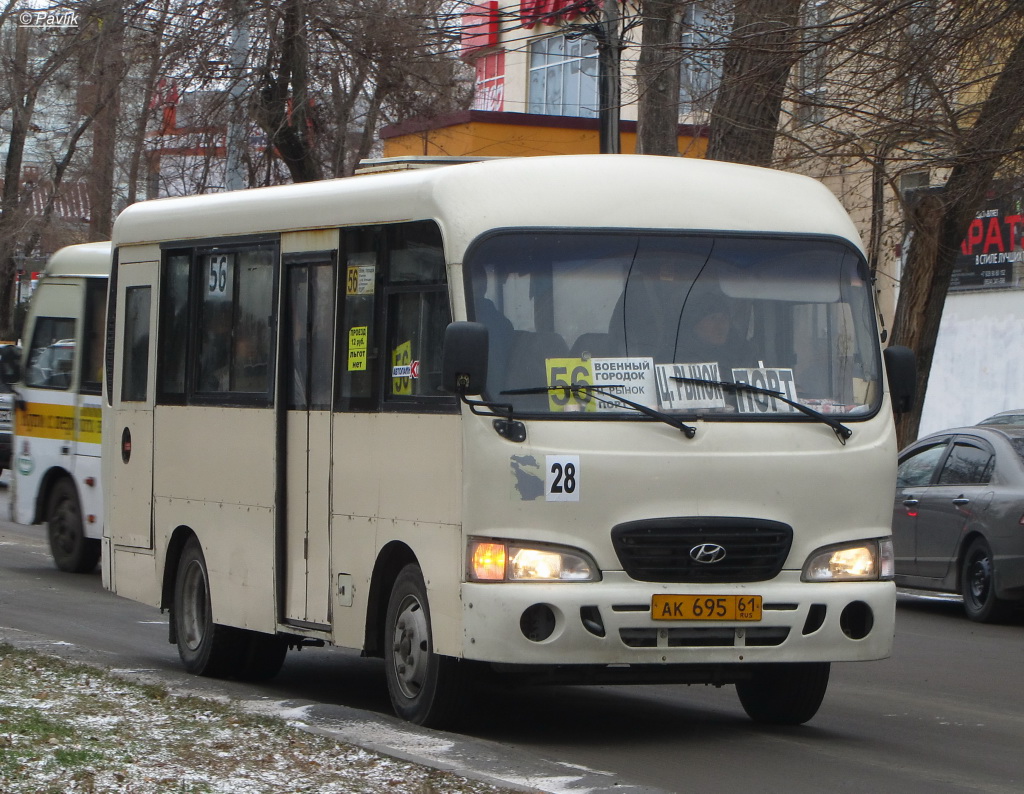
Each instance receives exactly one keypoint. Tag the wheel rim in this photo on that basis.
(192, 617)
(64, 523)
(410, 650)
(979, 578)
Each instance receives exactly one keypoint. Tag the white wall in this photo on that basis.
(978, 368)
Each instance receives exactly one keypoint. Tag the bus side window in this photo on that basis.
(235, 313)
(135, 365)
(92, 343)
(174, 336)
(418, 310)
(360, 276)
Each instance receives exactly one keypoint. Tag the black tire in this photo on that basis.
(264, 656)
(784, 694)
(210, 649)
(425, 688)
(72, 551)
(977, 585)
(206, 648)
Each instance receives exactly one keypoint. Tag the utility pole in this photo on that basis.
(237, 133)
(608, 32)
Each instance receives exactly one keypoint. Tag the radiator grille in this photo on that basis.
(664, 549)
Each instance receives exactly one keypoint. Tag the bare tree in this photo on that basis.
(329, 75)
(30, 62)
(282, 102)
(762, 48)
(657, 76)
(103, 72)
(941, 220)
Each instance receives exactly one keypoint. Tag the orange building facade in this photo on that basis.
(535, 90)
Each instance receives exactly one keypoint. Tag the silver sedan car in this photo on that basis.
(958, 518)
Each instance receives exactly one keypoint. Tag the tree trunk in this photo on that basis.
(940, 223)
(761, 51)
(23, 96)
(282, 108)
(608, 33)
(657, 77)
(107, 81)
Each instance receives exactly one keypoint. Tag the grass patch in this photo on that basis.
(67, 727)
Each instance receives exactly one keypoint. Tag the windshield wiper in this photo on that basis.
(842, 431)
(689, 431)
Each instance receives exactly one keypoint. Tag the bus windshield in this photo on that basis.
(663, 319)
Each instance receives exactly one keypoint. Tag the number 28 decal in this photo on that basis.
(562, 479)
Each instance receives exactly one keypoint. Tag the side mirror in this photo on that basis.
(901, 369)
(464, 361)
(10, 364)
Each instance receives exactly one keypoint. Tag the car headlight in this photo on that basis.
(865, 560)
(491, 560)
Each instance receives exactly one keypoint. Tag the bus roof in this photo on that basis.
(596, 191)
(87, 259)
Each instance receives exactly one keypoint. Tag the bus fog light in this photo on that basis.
(862, 561)
(857, 620)
(537, 622)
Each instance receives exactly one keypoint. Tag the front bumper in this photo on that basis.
(610, 623)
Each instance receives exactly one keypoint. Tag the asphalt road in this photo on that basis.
(943, 714)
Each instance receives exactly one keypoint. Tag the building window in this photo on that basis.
(701, 68)
(811, 109)
(563, 77)
(490, 82)
(921, 38)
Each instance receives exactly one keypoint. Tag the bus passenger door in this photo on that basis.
(307, 361)
(129, 510)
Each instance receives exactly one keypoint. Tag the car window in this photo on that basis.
(1004, 419)
(917, 469)
(967, 464)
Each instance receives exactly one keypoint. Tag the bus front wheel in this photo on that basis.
(72, 551)
(784, 694)
(425, 687)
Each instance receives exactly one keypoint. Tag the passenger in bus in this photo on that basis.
(499, 330)
(708, 333)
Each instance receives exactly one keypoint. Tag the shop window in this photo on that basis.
(563, 77)
(490, 82)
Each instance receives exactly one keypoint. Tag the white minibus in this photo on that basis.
(55, 459)
(556, 419)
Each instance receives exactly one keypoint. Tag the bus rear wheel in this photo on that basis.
(784, 694)
(210, 649)
(425, 687)
(72, 551)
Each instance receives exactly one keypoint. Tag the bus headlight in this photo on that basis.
(504, 561)
(866, 560)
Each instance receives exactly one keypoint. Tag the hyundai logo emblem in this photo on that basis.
(707, 553)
